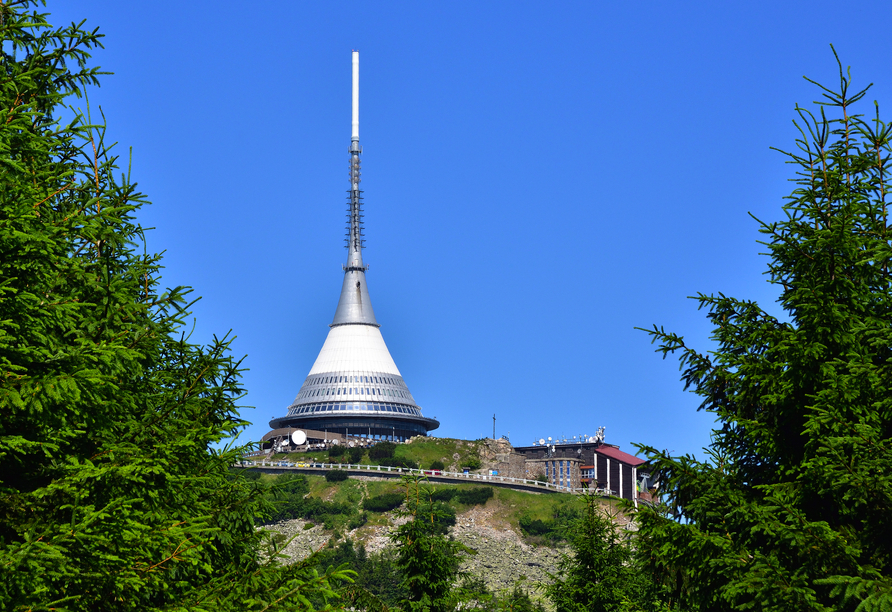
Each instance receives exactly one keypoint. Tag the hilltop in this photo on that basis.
(516, 535)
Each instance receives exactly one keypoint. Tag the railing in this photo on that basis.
(547, 486)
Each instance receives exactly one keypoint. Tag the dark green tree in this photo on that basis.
(115, 491)
(599, 576)
(791, 508)
(426, 558)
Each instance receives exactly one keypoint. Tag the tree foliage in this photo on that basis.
(599, 575)
(113, 493)
(791, 508)
(427, 559)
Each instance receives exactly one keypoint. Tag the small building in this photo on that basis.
(594, 464)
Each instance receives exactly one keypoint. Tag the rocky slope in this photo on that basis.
(502, 558)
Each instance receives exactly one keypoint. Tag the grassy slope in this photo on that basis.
(422, 450)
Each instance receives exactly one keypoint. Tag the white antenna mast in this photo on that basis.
(355, 135)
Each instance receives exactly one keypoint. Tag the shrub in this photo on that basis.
(437, 465)
(336, 475)
(443, 493)
(473, 463)
(354, 455)
(358, 521)
(384, 502)
(399, 462)
(534, 527)
(475, 496)
(337, 450)
(382, 450)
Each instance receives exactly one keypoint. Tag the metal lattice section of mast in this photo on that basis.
(355, 238)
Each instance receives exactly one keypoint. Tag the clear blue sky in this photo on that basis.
(540, 178)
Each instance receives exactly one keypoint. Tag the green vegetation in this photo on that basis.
(384, 502)
(427, 450)
(437, 453)
(377, 580)
(444, 494)
(599, 576)
(382, 450)
(355, 454)
(555, 528)
(337, 451)
(116, 493)
(474, 496)
(336, 475)
(289, 496)
(428, 561)
(790, 510)
(400, 462)
(473, 463)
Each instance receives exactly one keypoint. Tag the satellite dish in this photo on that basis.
(549, 438)
(334, 441)
(541, 440)
(298, 437)
(350, 444)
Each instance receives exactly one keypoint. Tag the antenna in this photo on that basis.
(354, 212)
(355, 136)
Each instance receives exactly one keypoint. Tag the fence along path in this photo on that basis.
(387, 471)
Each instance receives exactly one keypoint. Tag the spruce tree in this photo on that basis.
(792, 507)
(113, 493)
(599, 575)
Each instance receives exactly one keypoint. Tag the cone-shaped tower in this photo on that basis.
(355, 388)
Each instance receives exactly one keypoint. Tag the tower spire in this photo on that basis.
(354, 305)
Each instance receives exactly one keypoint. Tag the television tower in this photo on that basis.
(354, 387)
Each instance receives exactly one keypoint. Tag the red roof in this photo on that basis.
(614, 453)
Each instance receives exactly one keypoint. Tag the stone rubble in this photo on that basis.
(503, 557)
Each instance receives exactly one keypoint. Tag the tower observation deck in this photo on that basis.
(354, 388)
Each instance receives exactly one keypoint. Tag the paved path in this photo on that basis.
(384, 471)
